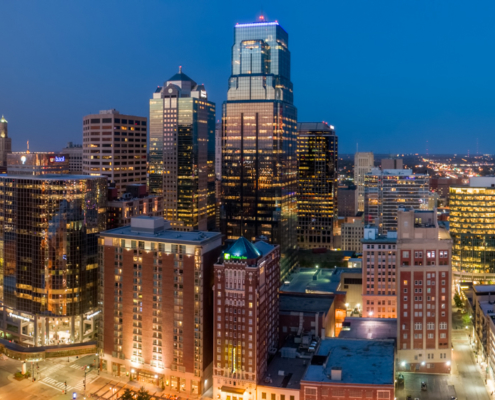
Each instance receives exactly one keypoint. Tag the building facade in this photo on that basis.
(347, 201)
(317, 158)
(37, 163)
(379, 274)
(75, 153)
(259, 131)
(388, 190)
(424, 297)
(157, 304)
(363, 163)
(5, 144)
(246, 316)
(49, 258)
(115, 146)
(484, 327)
(392, 163)
(472, 226)
(352, 233)
(120, 210)
(182, 152)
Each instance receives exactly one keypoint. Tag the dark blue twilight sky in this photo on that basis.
(389, 74)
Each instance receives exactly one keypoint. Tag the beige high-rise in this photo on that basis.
(5, 144)
(115, 145)
(363, 162)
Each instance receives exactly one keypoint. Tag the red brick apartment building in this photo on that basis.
(246, 308)
(157, 304)
(424, 293)
(379, 274)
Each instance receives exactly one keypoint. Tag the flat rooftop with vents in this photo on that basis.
(353, 361)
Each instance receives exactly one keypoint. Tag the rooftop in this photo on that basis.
(310, 303)
(285, 372)
(155, 229)
(242, 249)
(368, 362)
(52, 177)
(315, 126)
(484, 289)
(369, 328)
(310, 280)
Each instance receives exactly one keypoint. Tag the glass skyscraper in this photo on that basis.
(317, 153)
(259, 131)
(49, 257)
(182, 152)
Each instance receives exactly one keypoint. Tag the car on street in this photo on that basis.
(423, 386)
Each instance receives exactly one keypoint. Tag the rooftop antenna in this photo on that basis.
(180, 69)
(357, 147)
(28, 146)
(426, 147)
(477, 148)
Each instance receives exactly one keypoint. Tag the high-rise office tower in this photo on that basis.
(387, 190)
(115, 146)
(472, 226)
(49, 257)
(5, 144)
(363, 163)
(424, 284)
(157, 303)
(317, 157)
(182, 152)
(259, 163)
(246, 316)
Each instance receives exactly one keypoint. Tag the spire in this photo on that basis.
(180, 69)
(3, 119)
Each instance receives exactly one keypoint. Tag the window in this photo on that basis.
(430, 336)
(418, 326)
(383, 394)
(430, 326)
(263, 395)
(405, 254)
(443, 325)
(310, 393)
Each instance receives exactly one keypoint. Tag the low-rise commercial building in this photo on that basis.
(157, 304)
(351, 368)
(484, 326)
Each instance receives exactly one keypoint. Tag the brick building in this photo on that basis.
(157, 304)
(379, 274)
(245, 317)
(351, 369)
(424, 276)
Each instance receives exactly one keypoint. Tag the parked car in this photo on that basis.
(423, 386)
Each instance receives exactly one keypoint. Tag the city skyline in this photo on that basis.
(382, 86)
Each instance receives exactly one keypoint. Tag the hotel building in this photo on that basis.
(157, 304)
(259, 131)
(317, 157)
(115, 146)
(246, 317)
(424, 293)
(49, 257)
(182, 152)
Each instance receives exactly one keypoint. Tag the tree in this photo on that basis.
(458, 301)
(128, 395)
(143, 395)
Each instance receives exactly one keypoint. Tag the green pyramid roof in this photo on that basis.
(242, 249)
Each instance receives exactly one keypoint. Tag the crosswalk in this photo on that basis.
(90, 378)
